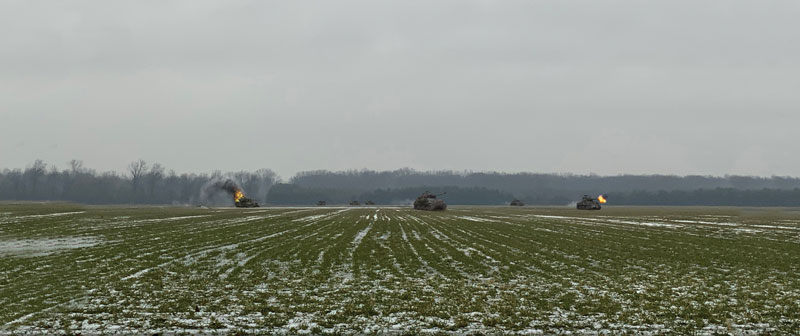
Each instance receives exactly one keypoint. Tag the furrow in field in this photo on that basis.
(368, 270)
(439, 252)
(471, 249)
(426, 268)
(182, 247)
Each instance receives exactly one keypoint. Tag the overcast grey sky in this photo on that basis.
(609, 87)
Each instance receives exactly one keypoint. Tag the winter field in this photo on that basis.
(481, 270)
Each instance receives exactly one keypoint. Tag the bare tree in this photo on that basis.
(35, 173)
(76, 166)
(137, 170)
(156, 174)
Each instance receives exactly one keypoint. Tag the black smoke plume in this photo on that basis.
(228, 185)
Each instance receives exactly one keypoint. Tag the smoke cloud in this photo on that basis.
(228, 185)
(218, 192)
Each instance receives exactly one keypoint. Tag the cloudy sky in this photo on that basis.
(606, 87)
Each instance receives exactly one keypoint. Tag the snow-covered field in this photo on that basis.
(105, 270)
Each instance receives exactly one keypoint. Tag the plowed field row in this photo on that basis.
(66, 269)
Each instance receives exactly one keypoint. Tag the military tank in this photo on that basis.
(588, 203)
(321, 203)
(245, 202)
(517, 202)
(369, 203)
(429, 202)
(355, 203)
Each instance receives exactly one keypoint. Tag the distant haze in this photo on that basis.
(607, 87)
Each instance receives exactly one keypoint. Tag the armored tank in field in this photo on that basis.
(355, 203)
(588, 203)
(517, 202)
(369, 203)
(428, 201)
(245, 202)
(321, 203)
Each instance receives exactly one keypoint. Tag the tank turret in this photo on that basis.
(517, 202)
(245, 202)
(240, 200)
(588, 203)
(428, 201)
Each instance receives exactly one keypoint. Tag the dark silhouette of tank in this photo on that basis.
(245, 202)
(369, 203)
(355, 203)
(429, 202)
(588, 203)
(321, 203)
(517, 202)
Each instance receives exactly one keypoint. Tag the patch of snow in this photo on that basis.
(51, 215)
(44, 246)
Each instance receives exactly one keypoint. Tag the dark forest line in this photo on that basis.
(144, 183)
(289, 194)
(521, 183)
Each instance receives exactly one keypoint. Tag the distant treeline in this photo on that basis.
(144, 183)
(718, 196)
(561, 189)
(521, 183)
(288, 194)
